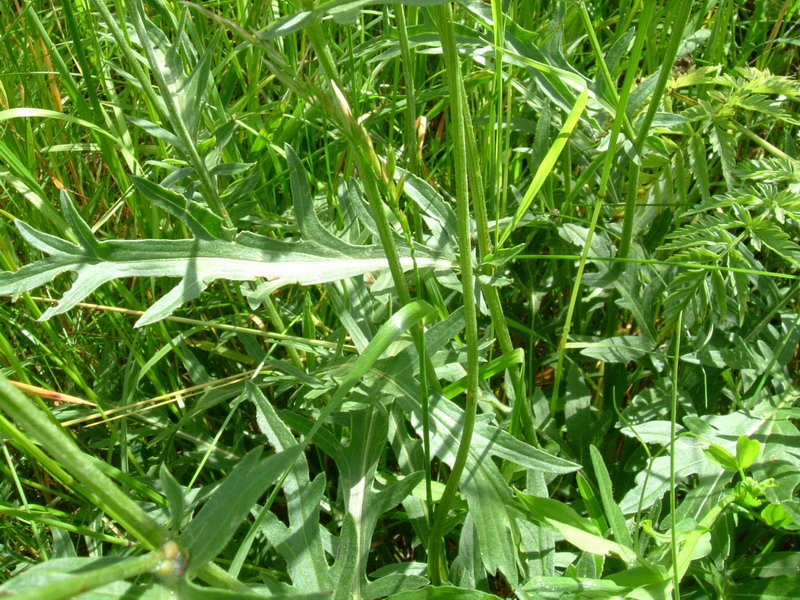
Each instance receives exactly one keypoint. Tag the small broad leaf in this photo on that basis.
(776, 515)
(231, 168)
(620, 349)
(287, 25)
(307, 221)
(79, 226)
(159, 132)
(190, 96)
(578, 531)
(393, 583)
(175, 496)
(569, 587)
(502, 256)
(601, 245)
(436, 212)
(201, 221)
(722, 457)
(746, 451)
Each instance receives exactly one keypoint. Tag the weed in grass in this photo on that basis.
(409, 301)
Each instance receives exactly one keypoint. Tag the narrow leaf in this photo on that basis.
(218, 520)
(577, 530)
(613, 513)
(546, 166)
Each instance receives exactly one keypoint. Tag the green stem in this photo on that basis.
(675, 39)
(497, 166)
(627, 84)
(775, 151)
(676, 580)
(176, 119)
(131, 58)
(372, 175)
(277, 322)
(411, 103)
(62, 589)
(621, 116)
(685, 557)
(58, 443)
(676, 36)
(367, 162)
(37, 534)
(490, 293)
(666, 263)
(444, 21)
(573, 300)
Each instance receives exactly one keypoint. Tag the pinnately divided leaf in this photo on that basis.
(198, 261)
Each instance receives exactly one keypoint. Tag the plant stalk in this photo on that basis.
(676, 359)
(676, 36)
(176, 120)
(57, 442)
(444, 21)
(63, 589)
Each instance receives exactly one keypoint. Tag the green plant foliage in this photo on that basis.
(365, 300)
(199, 261)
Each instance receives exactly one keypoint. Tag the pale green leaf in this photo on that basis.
(620, 349)
(722, 457)
(747, 451)
(300, 542)
(613, 513)
(578, 531)
(218, 520)
(539, 588)
(198, 262)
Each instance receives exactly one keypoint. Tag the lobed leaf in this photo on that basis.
(197, 262)
(218, 520)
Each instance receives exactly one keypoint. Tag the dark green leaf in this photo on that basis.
(777, 588)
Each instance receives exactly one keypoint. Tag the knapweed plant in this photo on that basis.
(357, 299)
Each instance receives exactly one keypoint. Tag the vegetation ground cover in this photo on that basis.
(356, 299)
